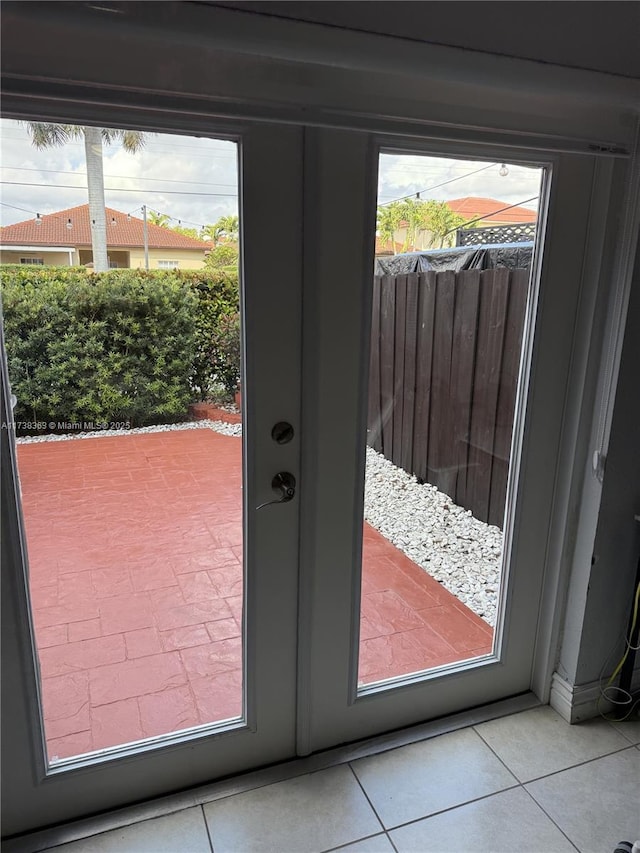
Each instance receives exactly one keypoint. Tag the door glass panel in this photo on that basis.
(122, 328)
(454, 248)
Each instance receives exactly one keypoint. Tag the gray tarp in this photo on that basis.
(510, 255)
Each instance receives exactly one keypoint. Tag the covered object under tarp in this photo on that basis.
(509, 255)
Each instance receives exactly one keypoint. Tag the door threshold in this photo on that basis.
(119, 818)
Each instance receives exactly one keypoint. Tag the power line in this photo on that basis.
(489, 215)
(435, 186)
(117, 189)
(131, 212)
(174, 218)
(23, 209)
(150, 149)
(32, 212)
(124, 177)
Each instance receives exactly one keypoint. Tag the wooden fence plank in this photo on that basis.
(518, 288)
(444, 358)
(387, 333)
(410, 353)
(424, 355)
(440, 451)
(465, 328)
(398, 367)
(374, 421)
(494, 288)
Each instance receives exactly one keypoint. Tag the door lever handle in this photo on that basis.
(283, 483)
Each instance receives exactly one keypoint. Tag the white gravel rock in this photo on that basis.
(216, 426)
(461, 552)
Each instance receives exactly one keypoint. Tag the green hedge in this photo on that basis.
(218, 297)
(124, 345)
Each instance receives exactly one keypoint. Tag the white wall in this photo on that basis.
(617, 544)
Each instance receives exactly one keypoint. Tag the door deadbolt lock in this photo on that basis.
(283, 484)
(282, 432)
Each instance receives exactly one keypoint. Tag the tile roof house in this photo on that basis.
(385, 247)
(491, 211)
(482, 211)
(64, 239)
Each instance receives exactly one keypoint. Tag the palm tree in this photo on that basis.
(437, 218)
(161, 219)
(49, 135)
(389, 218)
(226, 226)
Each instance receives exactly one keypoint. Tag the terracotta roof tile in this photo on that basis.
(471, 207)
(384, 247)
(126, 233)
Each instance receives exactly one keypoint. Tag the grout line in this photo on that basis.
(206, 825)
(578, 764)
(349, 843)
(452, 808)
(553, 772)
(612, 723)
(492, 750)
(250, 780)
(544, 811)
(391, 841)
(361, 786)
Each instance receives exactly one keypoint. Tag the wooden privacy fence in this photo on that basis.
(445, 356)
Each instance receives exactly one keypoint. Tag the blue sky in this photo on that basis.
(194, 180)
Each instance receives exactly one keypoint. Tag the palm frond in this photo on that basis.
(132, 140)
(50, 134)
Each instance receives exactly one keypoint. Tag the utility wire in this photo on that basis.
(23, 209)
(117, 189)
(32, 212)
(130, 213)
(125, 177)
(489, 215)
(435, 186)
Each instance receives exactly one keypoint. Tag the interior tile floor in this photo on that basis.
(528, 782)
(135, 562)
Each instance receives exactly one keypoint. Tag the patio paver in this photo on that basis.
(135, 554)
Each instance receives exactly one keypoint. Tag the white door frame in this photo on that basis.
(271, 166)
(337, 306)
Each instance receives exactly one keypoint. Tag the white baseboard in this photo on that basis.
(576, 702)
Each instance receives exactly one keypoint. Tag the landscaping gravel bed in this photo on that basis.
(459, 551)
(217, 426)
(456, 549)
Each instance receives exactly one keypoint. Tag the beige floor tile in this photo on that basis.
(538, 742)
(596, 804)
(308, 814)
(501, 823)
(631, 730)
(418, 780)
(377, 844)
(184, 831)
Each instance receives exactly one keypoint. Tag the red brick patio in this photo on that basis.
(135, 551)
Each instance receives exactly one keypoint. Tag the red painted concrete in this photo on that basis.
(135, 553)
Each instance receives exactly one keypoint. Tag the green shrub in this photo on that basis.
(223, 256)
(218, 297)
(114, 346)
(226, 352)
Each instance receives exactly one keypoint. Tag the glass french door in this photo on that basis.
(150, 575)
(460, 360)
(327, 585)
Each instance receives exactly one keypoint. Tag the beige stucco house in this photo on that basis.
(64, 239)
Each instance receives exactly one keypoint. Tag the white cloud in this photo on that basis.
(195, 179)
(404, 175)
(191, 179)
